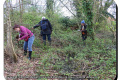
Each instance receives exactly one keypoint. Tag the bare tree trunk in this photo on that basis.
(9, 47)
(49, 9)
(22, 7)
(20, 12)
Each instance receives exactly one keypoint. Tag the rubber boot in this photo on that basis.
(25, 52)
(44, 41)
(30, 53)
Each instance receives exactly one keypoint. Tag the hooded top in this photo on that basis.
(49, 30)
(25, 32)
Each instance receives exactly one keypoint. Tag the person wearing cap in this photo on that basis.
(46, 29)
(83, 30)
(28, 37)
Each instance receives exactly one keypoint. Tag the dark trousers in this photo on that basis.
(84, 37)
(48, 36)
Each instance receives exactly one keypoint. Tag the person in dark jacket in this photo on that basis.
(46, 29)
(83, 30)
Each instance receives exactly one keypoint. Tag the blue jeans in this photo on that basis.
(29, 43)
(48, 35)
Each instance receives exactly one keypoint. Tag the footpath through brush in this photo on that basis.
(23, 67)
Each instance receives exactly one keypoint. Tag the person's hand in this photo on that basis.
(19, 39)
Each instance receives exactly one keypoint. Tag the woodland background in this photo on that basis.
(67, 56)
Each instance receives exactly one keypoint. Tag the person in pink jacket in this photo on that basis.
(27, 36)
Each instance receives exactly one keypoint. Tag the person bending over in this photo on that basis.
(28, 36)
